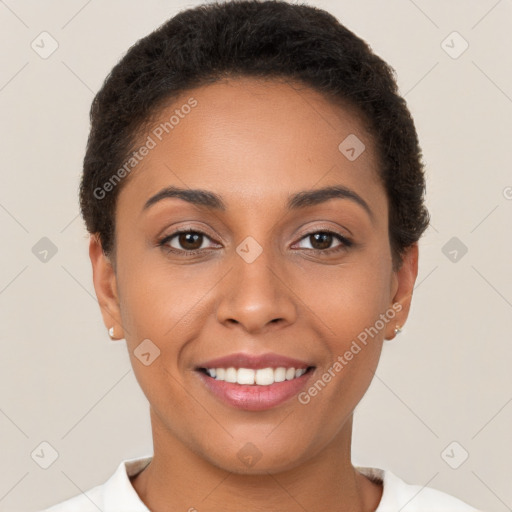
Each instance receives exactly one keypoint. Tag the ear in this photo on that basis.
(402, 288)
(105, 285)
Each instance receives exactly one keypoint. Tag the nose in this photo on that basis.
(256, 295)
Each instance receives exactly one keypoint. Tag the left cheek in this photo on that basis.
(350, 303)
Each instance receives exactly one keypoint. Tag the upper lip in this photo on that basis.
(256, 362)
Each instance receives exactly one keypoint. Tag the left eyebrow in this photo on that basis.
(320, 195)
(298, 200)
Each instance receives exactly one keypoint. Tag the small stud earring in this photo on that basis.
(398, 329)
(111, 332)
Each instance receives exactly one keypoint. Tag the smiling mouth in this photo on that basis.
(255, 377)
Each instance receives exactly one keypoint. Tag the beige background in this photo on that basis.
(445, 378)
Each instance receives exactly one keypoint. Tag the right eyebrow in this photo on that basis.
(195, 196)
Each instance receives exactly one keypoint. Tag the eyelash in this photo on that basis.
(346, 243)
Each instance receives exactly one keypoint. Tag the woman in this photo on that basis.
(254, 190)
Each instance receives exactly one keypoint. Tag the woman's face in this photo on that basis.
(265, 279)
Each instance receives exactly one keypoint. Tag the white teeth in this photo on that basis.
(245, 376)
(261, 377)
(230, 375)
(280, 374)
(265, 377)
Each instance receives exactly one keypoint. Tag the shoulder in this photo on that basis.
(114, 495)
(89, 501)
(399, 495)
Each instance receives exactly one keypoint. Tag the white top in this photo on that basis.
(117, 494)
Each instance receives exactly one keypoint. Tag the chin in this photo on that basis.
(258, 454)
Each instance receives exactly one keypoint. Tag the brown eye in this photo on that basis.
(322, 241)
(186, 241)
(190, 241)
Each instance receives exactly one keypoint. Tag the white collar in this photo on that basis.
(119, 493)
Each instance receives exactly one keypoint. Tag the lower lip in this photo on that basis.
(255, 398)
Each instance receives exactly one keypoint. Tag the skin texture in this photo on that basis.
(254, 143)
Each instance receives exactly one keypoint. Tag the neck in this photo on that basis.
(178, 479)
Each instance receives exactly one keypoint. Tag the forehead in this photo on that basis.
(253, 140)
